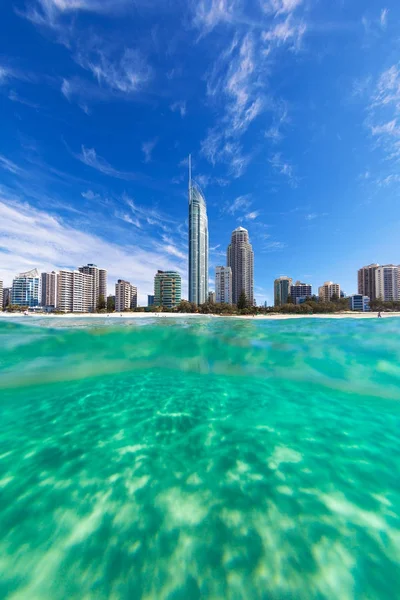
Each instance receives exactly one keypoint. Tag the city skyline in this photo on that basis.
(289, 110)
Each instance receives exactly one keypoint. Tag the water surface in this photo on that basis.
(209, 458)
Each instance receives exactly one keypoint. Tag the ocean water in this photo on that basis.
(202, 458)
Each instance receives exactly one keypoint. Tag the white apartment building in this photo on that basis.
(48, 294)
(75, 292)
(387, 282)
(99, 282)
(1, 295)
(223, 284)
(125, 295)
(328, 290)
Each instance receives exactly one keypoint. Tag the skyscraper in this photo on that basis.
(99, 282)
(367, 281)
(75, 292)
(387, 282)
(49, 289)
(240, 258)
(328, 290)
(223, 284)
(198, 243)
(1, 295)
(167, 289)
(125, 295)
(25, 289)
(282, 287)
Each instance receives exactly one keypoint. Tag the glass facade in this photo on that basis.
(25, 289)
(282, 290)
(198, 246)
(167, 289)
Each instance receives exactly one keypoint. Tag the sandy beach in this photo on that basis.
(148, 315)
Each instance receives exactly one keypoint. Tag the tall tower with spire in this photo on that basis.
(198, 242)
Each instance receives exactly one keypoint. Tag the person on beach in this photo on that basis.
(379, 315)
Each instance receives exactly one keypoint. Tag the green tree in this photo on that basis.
(101, 303)
(186, 307)
(111, 303)
(242, 303)
(334, 298)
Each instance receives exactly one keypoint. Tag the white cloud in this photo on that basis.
(241, 203)
(273, 246)
(14, 97)
(217, 148)
(392, 178)
(151, 215)
(388, 88)
(389, 128)
(289, 32)
(9, 165)
(125, 72)
(89, 195)
(383, 18)
(311, 216)
(49, 13)
(279, 7)
(283, 167)
(5, 74)
(383, 112)
(179, 106)
(128, 219)
(119, 69)
(90, 158)
(252, 215)
(203, 180)
(210, 13)
(33, 238)
(147, 149)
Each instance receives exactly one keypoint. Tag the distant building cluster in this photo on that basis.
(285, 289)
(80, 290)
(380, 282)
(85, 289)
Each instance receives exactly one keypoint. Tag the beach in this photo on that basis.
(149, 315)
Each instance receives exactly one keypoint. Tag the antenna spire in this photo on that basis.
(190, 171)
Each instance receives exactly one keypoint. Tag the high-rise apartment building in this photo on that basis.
(99, 282)
(49, 283)
(367, 281)
(167, 289)
(1, 295)
(150, 299)
(223, 284)
(198, 243)
(240, 258)
(282, 287)
(125, 295)
(300, 290)
(328, 290)
(211, 297)
(75, 292)
(387, 282)
(25, 289)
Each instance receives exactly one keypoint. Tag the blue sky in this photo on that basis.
(289, 107)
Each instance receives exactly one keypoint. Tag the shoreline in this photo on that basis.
(148, 315)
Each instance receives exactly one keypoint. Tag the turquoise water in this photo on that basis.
(210, 458)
